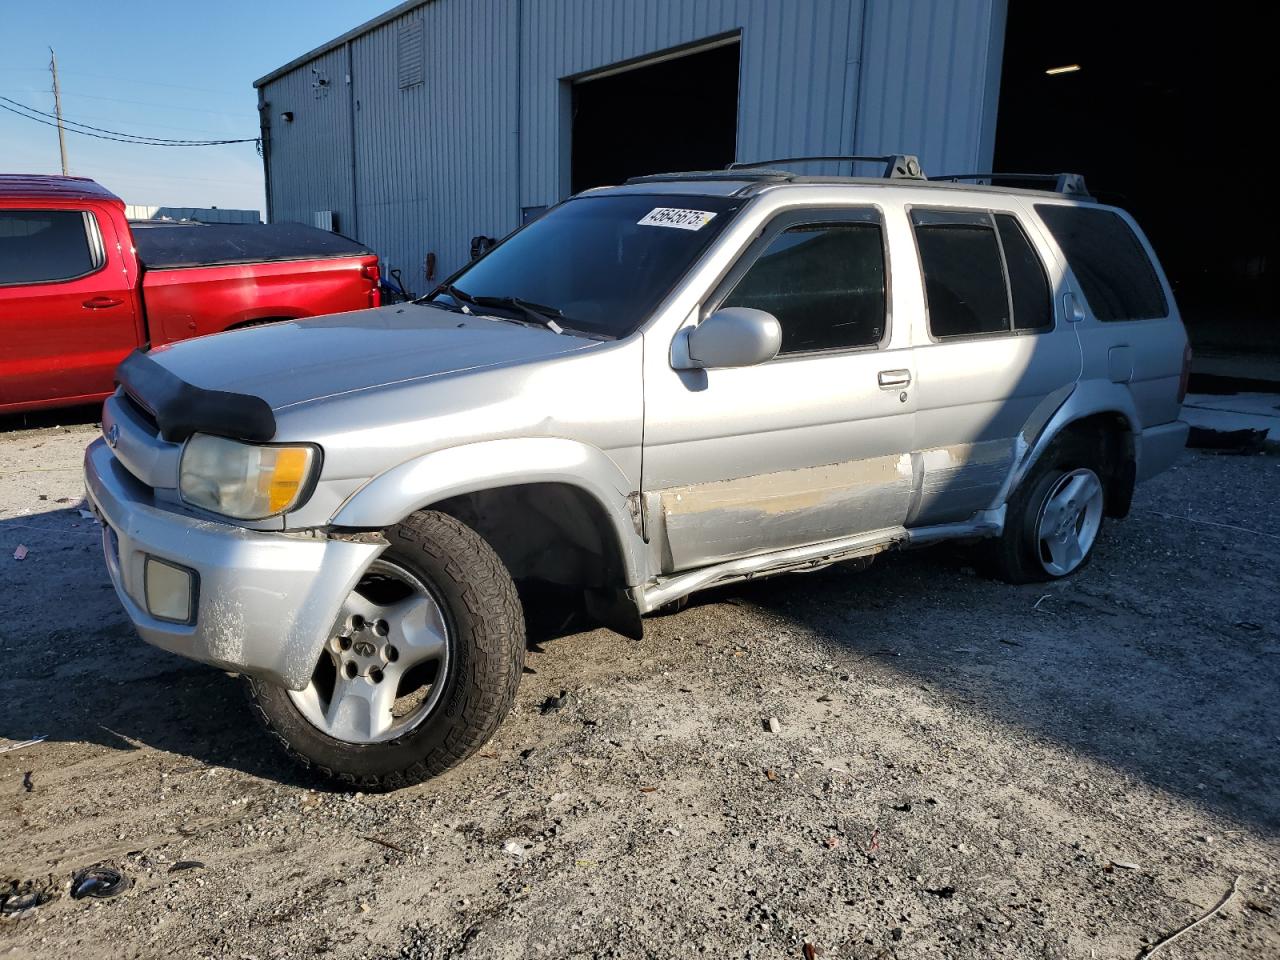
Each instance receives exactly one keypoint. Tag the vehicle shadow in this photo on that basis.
(42, 419)
(1156, 676)
(78, 673)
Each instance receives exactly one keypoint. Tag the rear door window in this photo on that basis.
(981, 274)
(43, 246)
(1111, 265)
(1028, 283)
(824, 281)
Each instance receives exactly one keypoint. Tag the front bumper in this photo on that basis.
(265, 602)
(1160, 447)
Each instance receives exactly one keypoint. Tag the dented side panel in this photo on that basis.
(731, 518)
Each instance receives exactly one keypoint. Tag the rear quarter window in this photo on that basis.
(1109, 262)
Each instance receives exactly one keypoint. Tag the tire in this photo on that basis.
(472, 682)
(1026, 552)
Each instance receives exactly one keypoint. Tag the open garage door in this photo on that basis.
(1164, 111)
(677, 112)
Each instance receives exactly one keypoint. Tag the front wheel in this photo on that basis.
(1052, 523)
(420, 668)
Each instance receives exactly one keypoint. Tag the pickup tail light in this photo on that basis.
(370, 273)
(1185, 381)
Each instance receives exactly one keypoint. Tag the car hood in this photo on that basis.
(292, 363)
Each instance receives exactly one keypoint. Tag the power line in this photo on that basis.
(104, 134)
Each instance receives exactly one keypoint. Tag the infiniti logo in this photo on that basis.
(113, 435)
(364, 648)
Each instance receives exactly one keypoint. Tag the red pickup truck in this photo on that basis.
(80, 288)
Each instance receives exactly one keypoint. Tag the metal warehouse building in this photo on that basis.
(444, 120)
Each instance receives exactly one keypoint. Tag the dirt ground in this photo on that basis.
(961, 768)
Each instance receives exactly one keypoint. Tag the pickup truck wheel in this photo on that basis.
(421, 667)
(1052, 523)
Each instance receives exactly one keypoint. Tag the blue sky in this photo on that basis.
(182, 70)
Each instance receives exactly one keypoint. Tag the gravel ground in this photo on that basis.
(960, 768)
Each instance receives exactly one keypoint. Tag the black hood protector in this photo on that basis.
(182, 409)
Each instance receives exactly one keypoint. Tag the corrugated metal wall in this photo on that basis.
(487, 131)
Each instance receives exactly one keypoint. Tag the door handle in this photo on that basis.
(893, 379)
(101, 303)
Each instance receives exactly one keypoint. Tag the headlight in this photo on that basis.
(245, 480)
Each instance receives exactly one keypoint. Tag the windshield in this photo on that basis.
(597, 265)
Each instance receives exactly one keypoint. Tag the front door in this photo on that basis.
(811, 446)
(67, 318)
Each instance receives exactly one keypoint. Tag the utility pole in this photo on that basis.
(57, 108)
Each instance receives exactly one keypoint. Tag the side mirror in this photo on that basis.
(730, 337)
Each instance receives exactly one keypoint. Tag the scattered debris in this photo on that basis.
(831, 842)
(386, 843)
(1011, 643)
(1246, 441)
(87, 515)
(1036, 605)
(904, 807)
(17, 903)
(771, 776)
(811, 951)
(1125, 865)
(897, 933)
(526, 754)
(21, 552)
(648, 789)
(1169, 938)
(100, 882)
(10, 747)
(186, 865)
(552, 704)
(946, 893)
(27, 783)
(513, 848)
(1259, 907)
(1248, 626)
(875, 841)
(773, 725)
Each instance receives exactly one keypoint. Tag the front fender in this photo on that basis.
(418, 483)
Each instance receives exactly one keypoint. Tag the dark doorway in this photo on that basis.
(1166, 117)
(679, 114)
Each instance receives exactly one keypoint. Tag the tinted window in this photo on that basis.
(41, 245)
(825, 284)
(1032, 302)
(963, 275)
(604, 262)
(1110, 264)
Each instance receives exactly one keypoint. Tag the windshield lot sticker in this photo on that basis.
(675, 217)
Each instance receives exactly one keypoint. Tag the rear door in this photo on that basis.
(993, 352)
(1128, 324)
(67, 305)
(811, 446)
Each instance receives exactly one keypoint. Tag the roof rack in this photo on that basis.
(1070, 184)
(776, 176)
(899, 166)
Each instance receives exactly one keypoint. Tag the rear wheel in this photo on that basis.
(420, 668)
(1052, 522)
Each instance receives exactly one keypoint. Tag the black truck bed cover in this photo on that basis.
(162, 245)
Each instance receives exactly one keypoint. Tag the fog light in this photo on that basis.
(170, 591)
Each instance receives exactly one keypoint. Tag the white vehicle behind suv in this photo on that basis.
(682, 381)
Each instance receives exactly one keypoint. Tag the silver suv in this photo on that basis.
(655, 388)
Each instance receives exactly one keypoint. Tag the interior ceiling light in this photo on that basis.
(1069, 68)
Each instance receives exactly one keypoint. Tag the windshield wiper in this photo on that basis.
(461, 297)
(537, 313)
